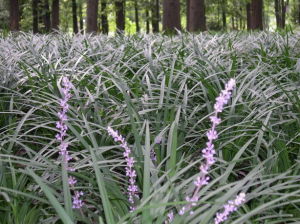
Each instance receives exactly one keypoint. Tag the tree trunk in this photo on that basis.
(41, 15)
(280, 13)
(224, 6)
(104, 20)
(47, 21)
(136, 13)
(155, 16)
(147, 19)
(55, 15)
(283, 12)
(277, 13)
(187, 15)
(80, 18)
(248, 10)
(92, 15)
(197, 16)
(120, 15)
(14, 15)
(218, 17)
(257, 14)
(299, 12)
(241, 18)
(74, 16)
(171, 15)
(35, 16)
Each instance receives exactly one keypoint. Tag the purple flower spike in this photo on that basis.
(63, 147)
(209, 152)
(62, 115)
(230, 207)
(130, 172)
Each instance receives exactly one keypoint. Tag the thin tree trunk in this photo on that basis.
(277, 13)
(197, 16)
(92, 15)
(80, 18)
(155, 16)
(171, 15)
(243, 20)
(74, 16)
(283, 10)
(47, 21)
(283, 13)
(55, 15)
(280, 13)
(35, 16)
(188, 15)
(136, 13)
(147, 20)
(240, 18)
(299, 12)
(14, 15)
(147, 15)
(224, 6)
(104, 20)
(248, 11)
(257, 14)
(41, 14)
(120, 15)
(218, 17)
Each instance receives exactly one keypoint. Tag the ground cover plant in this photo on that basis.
(159, 93)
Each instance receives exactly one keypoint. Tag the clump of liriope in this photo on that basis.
(63, 147)
(207, 153)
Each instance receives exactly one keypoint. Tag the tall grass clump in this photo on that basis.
(159, 93)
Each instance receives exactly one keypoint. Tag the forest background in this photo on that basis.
(131, 16)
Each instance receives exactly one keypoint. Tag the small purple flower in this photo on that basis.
(72, 181)
(215, 120)
(201, 181)
(230, 207)
(212, 134)
(130, 172)
(77, 202)
(158, 140)
(182, 210)
(153, 155)
(170, 217)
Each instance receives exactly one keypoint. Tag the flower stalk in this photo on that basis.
(209, 151)
(60, 136)
(130, 172)
(230, 207)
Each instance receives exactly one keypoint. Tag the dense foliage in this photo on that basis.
(158, 92)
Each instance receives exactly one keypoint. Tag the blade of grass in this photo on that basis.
(146, 217)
